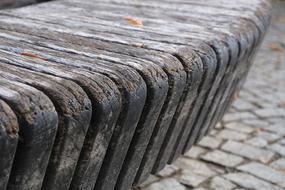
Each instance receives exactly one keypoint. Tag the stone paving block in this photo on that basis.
(238, 116)
(195, 152)
(222, 158)
(265, 172)
(279, 164)
(250, 182)
(248, 151)
(239, 126)
(256, 123)
(220, 183)
(282, 141)
(213, 132)
(166, 184)
(243, 105)
(168, 171)
(279, 149)
(210, 142)
(270, 112)
(191, 179)
(270, 137)
(257, 141)
(231, 135)
(151, 179)
(195, 166)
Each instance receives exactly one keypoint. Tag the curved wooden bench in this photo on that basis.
(129, 85)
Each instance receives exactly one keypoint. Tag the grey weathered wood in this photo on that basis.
(159, 85)
(38, 124)
(74, 111)
(9, 129)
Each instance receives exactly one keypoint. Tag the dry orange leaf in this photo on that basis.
(134, 21)
(32, 55)
(257, 130)
(275, 47)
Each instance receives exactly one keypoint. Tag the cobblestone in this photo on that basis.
(246, 151)
(210, 142)
(166, 184)
(222, 158)
(264, 172)
(279, 149)
(195, 152)
(231, 135)
(250, 182)
(241, 127)
(219, 183)
(191, 179)
(279, 164)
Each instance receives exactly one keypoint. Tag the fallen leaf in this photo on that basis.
(275, 47)
(32, 55)
(257, 130)
(134, 21)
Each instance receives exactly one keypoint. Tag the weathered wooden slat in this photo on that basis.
(106, 108)
(9, 129)
(176, 90)
(74, 111)
(127, 101)
(38, 125)
(173, 71)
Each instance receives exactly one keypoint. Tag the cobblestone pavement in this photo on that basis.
(247, 149)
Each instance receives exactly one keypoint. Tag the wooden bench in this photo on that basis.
(99, 94)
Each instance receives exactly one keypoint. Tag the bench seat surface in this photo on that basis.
(99, 94)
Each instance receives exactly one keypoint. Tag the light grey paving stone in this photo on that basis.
(278, 120)
(248, 151)
(195, 152)
(201, 188)
(166, 184)
(265, 172)
(270, 112)
(232, 135)
(279, 164)
(210, 142)
(213, 132)
(191, 179)
(222, 158)
(248, 181)
(195, 166)
(282, 141)
(243, 105)
(256, 123)
(238, 116)
(257, 141)
(239, 126)
(270, 137)
(279, 149)
(220, 183)
(151, 179)
(277, 128)
(168, 170)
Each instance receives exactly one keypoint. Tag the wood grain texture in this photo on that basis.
(134, 83)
